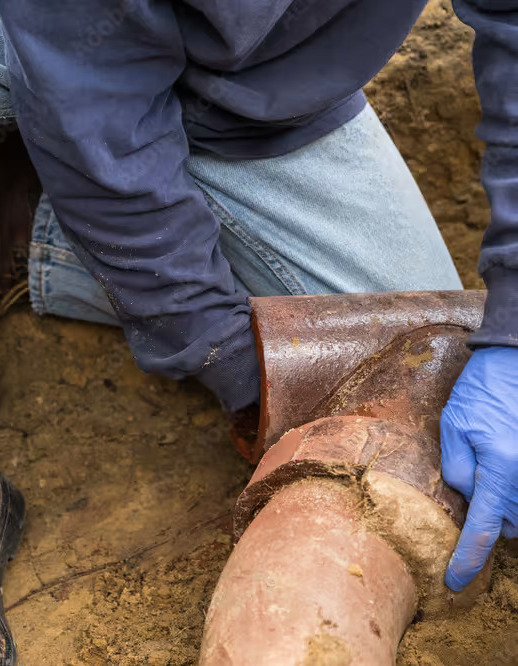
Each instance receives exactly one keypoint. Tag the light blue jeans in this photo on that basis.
(342, 214)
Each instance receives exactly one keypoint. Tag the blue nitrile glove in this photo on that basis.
(479, 441)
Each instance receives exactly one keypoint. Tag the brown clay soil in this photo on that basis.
(130, 480)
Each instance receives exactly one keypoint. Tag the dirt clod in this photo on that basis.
(326, 650)
(487, 634)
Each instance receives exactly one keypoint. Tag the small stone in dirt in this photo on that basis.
(109, 385)
(205, 419)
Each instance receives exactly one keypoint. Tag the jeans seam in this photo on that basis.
(58, 253)
(43, 295)
(261, 249)
(36, 263)
(45, 252)
(47, 224)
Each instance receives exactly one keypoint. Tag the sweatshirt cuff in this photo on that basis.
(232, 372)
(500, 323)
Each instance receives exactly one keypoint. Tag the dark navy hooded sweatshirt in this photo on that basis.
(112, 95)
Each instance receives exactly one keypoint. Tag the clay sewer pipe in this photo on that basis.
(346, 527)
(345, 531)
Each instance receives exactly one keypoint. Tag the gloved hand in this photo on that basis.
(479, 442)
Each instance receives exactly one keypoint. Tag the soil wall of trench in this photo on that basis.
(130, 480)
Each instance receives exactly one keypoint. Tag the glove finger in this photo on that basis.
(458, 458)
(481, 530)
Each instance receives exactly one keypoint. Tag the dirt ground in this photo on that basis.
(130, 480)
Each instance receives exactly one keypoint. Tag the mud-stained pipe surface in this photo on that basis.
(346, 526)
(352, 353)
(345, 531)
(308, 585)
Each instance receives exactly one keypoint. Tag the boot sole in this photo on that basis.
(12, 515)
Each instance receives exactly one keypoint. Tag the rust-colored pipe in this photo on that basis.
(346, 527)
(393, 355)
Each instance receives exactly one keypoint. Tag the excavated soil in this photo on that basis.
(426, 99)
(130, 480)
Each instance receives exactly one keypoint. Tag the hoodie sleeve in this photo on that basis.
(495, 61)
(93, 87)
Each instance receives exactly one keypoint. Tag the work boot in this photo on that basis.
(12, 512)
(19, 194)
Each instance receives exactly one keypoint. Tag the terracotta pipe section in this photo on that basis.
(344, 531)
(345, 446)
(270, 608)
(346, 526)
(392, 355)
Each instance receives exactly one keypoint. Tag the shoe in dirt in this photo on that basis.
(12, 512)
